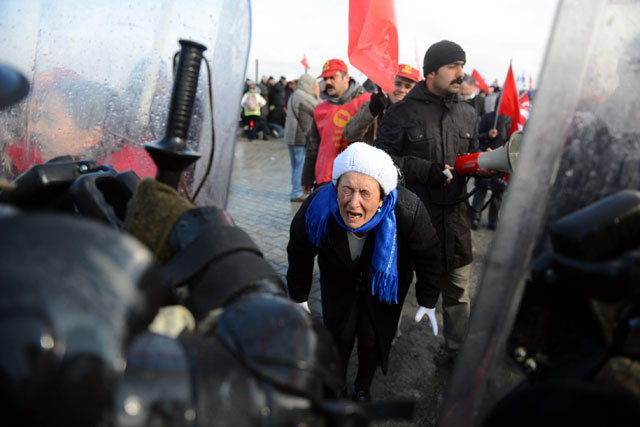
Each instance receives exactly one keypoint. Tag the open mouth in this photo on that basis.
(353, 215)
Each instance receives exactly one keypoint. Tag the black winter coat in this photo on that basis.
(276, 95)
(486, 123)
(343, 282)
(422, 133)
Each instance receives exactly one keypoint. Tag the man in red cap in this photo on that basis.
(343, 97)
(364, 125)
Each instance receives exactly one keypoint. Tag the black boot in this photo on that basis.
(361, 396)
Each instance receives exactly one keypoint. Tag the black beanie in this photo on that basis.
(442, 53)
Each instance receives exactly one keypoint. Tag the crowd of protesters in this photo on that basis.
(417, 131)
(419, 128)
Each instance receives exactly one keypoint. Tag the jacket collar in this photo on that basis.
(421, 93)
(353, 91)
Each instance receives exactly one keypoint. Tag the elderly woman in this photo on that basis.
(369, 237)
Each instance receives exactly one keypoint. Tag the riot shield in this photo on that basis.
(101, 77)
(580, 145)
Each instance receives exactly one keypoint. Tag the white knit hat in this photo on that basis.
(366, 159)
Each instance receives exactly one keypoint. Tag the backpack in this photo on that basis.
(252, 102)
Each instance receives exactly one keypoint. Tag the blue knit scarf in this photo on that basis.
(384, 269)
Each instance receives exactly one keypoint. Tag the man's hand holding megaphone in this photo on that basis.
(485, 173)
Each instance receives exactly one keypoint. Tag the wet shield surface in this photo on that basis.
(101, 78)
(580, 145)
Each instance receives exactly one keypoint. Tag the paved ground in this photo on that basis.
(259, 203)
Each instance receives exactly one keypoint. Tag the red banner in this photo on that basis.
(475, 75)
(509, 102)
(373, 40)
(304, 62)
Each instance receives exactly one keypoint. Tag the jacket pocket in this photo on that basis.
(419, 143)
(464, 140)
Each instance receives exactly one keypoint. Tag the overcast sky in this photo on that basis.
(492, 32)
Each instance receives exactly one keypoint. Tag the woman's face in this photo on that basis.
(55, 132)
(358, 198)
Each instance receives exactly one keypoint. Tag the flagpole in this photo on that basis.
(495, 119)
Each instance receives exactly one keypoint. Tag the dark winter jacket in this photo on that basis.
(344, 282)
(276, 95)
(363, 126)
(422, 133)
(477, 102)
(486, 124)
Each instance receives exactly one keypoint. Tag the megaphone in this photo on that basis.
(503, 159)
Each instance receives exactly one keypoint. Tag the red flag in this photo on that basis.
(509, 102)
(304, 62)
(475, 75)
(373, 40)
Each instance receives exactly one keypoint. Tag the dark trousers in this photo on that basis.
(359, 325)
(455, 306)
(497, 186)
(255, 124)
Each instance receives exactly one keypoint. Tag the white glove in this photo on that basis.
(305, 305)
(431, 315)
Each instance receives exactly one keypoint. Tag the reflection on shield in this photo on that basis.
(581, 144)
(101, 79)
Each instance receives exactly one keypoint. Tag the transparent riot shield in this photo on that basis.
(582, 143)
(101, 76)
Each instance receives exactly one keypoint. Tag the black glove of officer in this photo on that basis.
(378, 103)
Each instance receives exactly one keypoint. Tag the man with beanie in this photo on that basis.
(424, 134)
(369, 237)
(343, 97)
(364, 125)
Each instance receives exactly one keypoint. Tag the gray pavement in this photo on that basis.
(259, 197)
(259, 203)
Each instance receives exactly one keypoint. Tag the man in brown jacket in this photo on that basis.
(364, 125)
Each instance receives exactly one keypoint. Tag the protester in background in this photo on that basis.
(369, 237)
(277, 116)
(492, 134)
(253, 122)
(277, 94)
(299, 121)
(343, 98)
(263, 89)
(291, 87)
(82, 119)
(490, 103)
(364, 125)
(424, 134)
(468, 93)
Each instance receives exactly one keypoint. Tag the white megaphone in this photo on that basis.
(503, 159)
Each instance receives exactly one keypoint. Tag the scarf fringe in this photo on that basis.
(317, 229)
(384, 285)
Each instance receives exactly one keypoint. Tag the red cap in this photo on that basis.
(408, 72)
(332, 66)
